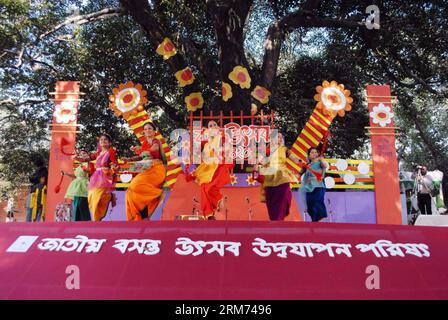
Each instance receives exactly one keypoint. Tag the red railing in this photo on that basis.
(220, 118)
(232, 117)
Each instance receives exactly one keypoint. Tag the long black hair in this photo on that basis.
(107, 136)
(153, 126)
(311, 149)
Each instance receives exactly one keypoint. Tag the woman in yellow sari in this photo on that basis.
(276, 181)
(142, 196)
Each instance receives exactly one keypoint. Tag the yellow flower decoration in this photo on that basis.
(185, 77)
(226, 91)
(166, 49)
(333, 99)
(194, 101)
(261, 94)
(240, 76)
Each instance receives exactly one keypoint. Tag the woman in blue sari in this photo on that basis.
(314, 187)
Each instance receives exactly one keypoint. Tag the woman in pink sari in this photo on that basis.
(102, 181)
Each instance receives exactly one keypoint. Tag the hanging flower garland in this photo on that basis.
(194, 101)
(261, 94)
(127, 99)
(185, 77)
(166, 49)
(226, 91)
(240, 76)
(333, 99)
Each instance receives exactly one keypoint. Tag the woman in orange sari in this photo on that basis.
(212, 174)
(142, 196)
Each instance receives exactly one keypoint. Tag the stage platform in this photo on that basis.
(242, 203)
(221, 260)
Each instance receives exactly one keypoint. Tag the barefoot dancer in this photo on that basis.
(143, 194)
(77, 190)
(212, 175)
(102, 181)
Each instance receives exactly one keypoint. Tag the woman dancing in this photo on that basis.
(212, 175)
(315, 188)
(78, 189)
(142, 196)
(102, 181)
(276, 181)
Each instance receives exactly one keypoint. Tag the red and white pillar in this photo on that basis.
(63, 139)
(384, 155)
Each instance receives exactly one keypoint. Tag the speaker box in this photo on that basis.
(189, 217)
(432, 220)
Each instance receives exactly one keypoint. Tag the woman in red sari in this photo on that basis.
(142, 196)
(212, 174)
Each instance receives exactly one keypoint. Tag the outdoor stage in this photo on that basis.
(367, 254)
(222, 260)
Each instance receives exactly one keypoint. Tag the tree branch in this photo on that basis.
(172, 112)
(229, 19)
(411, 74)
(7, 118)
(304, 17)
(20, 58)
(311, 5)
(82, 19)
(34, 61)
(205, 64)
(11, 102)
(141, 13)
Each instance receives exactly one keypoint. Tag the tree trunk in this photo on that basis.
(229, 20)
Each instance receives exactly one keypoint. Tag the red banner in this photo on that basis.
(63, 139)
(222, 260)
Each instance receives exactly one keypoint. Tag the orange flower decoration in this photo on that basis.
(194, 101)
(185, 77)
(240, 76)
(261, 94)
(250, 180)
(233, 179)
(127, 99)
(166, 49)
(333, 99)
(226, 91)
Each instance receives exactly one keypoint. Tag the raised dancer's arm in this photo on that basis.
(68, 174)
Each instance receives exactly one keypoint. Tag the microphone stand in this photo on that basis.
(250, 208)
(330, 212)
(225, 206)
(195, 210)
